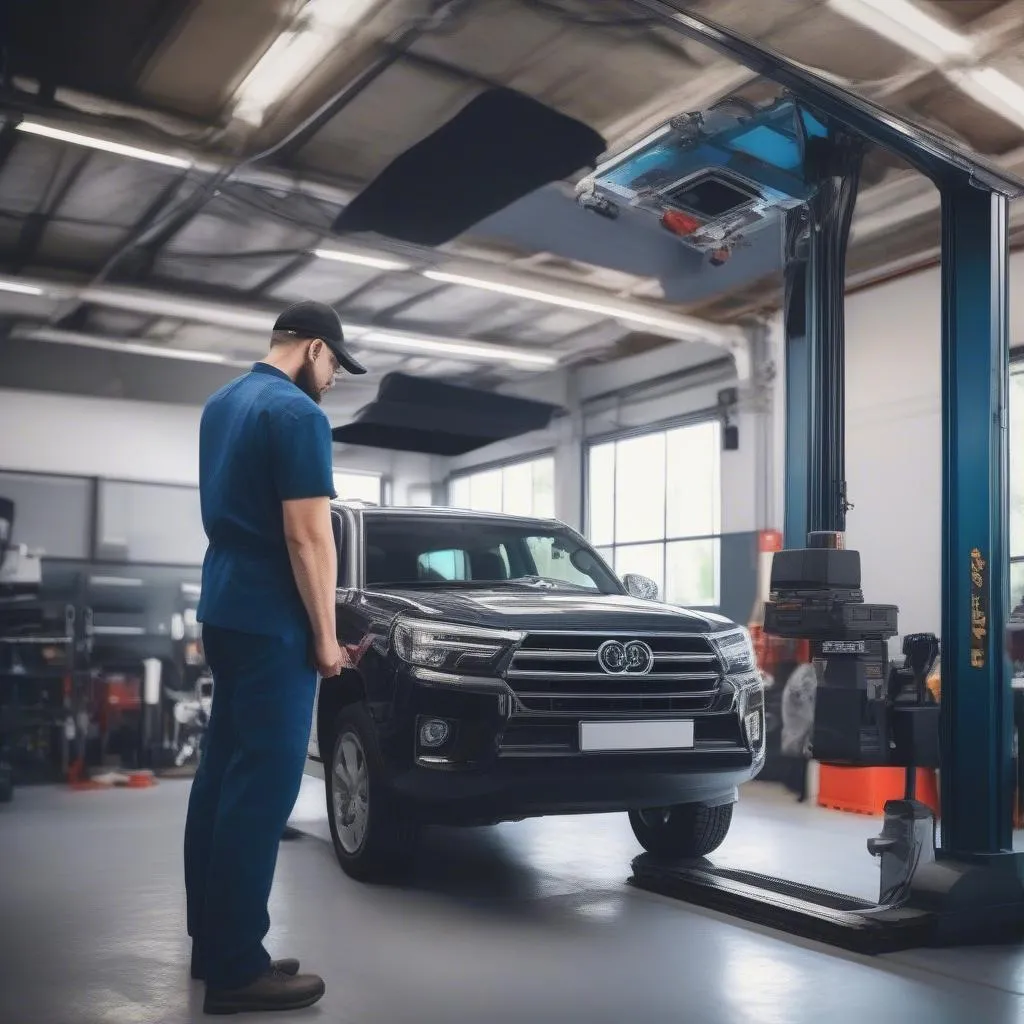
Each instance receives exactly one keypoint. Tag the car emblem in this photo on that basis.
(634, 658)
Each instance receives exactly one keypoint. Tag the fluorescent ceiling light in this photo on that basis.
(180, 307)
(296, 52)
(614, 312)
(995, 90)
(359, 259)
(909, 26)
(20, 289)
(62, 337)
(91, 142)
(473, 352)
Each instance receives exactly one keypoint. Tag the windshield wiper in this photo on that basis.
(549, 583)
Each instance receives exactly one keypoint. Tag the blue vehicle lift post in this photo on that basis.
(974, 892)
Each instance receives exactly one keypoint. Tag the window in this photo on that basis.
(417, 549)
(654, 508)
(358, 486)
(444, 565)
(522, 488)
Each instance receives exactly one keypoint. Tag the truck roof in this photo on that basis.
(439, 511)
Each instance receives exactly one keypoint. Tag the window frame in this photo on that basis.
(608, 551)
(501, 465)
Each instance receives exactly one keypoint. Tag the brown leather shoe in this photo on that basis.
(273, 990)
(289, 965)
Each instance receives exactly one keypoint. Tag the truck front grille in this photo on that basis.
(560, 674)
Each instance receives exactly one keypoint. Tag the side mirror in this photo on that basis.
(640, 586)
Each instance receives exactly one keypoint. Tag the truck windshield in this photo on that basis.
(467, 551)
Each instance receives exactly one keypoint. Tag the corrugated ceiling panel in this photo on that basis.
(389, 292)
(114, 190)
(325, 281)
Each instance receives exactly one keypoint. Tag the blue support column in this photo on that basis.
(976, 700)
(815, 338)
(798, 390)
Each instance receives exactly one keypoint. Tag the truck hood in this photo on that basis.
(512, 608)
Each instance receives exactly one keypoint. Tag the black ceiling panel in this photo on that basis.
(97, 46)
(415, 414)
(501, 146)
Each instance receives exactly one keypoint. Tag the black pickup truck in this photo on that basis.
(502, 671)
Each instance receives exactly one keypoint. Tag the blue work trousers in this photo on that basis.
(245, 788)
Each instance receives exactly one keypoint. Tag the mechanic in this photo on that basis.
(267, 609)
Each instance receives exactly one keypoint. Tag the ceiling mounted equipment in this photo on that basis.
(501, 146)
(712, 179)
(412, 414)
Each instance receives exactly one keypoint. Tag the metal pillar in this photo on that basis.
(816, 239)
(976, 730)
(798, 385)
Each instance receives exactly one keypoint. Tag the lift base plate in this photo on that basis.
(829, 917)
(951, 903)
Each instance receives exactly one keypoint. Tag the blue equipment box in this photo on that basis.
(712, 179)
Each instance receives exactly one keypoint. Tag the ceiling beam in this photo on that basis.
(713, 83)
(905, 198)
(669, 324)
(259, 319)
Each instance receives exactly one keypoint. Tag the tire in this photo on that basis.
(683, 832)
(371, 838)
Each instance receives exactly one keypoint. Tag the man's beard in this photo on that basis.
(307, 383)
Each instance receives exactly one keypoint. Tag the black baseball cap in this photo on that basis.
(318, 320)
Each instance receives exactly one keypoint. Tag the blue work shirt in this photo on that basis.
(262, 441)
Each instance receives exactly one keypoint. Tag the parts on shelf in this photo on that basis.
(39, 687)
(191, 712)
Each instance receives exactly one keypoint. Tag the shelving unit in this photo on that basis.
(43, 680)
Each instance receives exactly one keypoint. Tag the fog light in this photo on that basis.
(753, 724)
(433, 732)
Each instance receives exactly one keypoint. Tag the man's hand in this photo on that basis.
(330, 657)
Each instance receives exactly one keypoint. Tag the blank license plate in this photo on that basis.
(613, 736)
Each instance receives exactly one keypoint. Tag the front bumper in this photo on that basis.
(501, 764)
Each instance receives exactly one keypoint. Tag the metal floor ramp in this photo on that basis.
(843, 921)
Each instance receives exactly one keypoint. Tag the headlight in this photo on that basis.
(448, 647)
(736, 651)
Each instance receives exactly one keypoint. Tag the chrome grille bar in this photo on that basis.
(686, 695)
(604, 677)
(558, 675)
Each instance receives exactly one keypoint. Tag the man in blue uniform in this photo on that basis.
(267, 608)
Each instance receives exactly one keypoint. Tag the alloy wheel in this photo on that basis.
(350, 792)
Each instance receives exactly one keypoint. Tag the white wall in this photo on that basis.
(146, 441)
(893, 444)
(99, 437)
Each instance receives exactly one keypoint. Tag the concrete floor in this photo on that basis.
(529, 922)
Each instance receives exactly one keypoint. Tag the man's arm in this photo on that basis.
(300, 450)
(314, 558)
